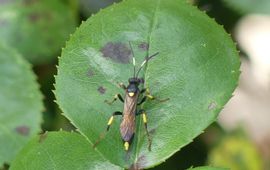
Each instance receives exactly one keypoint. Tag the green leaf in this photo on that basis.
(38, 29)
(20, 104)
(207, 168)
(58, 151)
(250, 6)
(236, 152)
(196, 68)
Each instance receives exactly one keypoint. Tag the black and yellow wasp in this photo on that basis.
(131, 102)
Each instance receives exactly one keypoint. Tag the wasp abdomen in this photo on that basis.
(127, 128)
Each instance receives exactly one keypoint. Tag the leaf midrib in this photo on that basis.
(153, 25)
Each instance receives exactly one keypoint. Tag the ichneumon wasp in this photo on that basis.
(131, 102)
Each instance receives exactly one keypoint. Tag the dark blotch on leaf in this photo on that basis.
(101, 90)
(3, 22)
(212, 106)
(139, 164)
(5, 166)
(34, 17)
(143, 46)
(42, 137)
(4, 1)
(50, 42)
(117, 51)
(29, 2)
(90, 73)
(47, 15)
(22, 130)
(152, 131)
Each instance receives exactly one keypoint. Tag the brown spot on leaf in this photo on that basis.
(101, 90)
(212, 106)
(90, 73)
(143, 46)
(139, 164)
(152, 131)
(34, 17)
(3, 22)
(5, 166)
(4, 1)
(42, 137)
(23, 130)
(47, 15)
(50, 42)
(29, 2)
(116, 51)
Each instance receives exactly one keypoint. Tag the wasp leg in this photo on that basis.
(142, 101)
(143, 90)
(149, 96)
(108, 127)
(111, 119)
(117, 96)
(122, 86)
(144, 117)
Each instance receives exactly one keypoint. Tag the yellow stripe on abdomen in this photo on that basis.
(126, 145)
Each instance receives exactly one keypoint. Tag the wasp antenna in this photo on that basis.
(133, 59)
(148, 58)
(134, 62)
(145, 61)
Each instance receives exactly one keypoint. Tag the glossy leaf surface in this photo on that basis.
(60, 150)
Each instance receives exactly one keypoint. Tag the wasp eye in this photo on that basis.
(131, 90)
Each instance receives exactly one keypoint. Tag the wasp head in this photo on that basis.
(133, 86)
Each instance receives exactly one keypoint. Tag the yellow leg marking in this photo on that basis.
(148, 94)
(150, 97)
(110, 121)
(126, 145)
(144, 118)
(147, 91)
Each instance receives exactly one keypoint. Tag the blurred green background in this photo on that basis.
(240, 139)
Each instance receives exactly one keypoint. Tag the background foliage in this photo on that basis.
(38, 29)
(20, 104)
